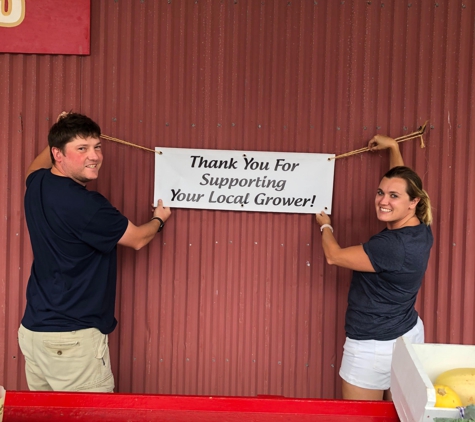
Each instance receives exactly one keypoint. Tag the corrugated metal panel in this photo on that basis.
(234, 303)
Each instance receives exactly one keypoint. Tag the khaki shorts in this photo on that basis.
(67, 361)
(367, 363)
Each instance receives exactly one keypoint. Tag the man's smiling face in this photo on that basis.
(81, 160)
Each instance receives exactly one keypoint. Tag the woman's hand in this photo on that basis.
(380, 142)
(322, 219)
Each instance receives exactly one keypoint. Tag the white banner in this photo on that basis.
(244, 180)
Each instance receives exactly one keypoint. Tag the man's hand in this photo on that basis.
(162, 212)
(138, 236)
(61, 115)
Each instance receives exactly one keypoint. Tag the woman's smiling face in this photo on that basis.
(393, 204)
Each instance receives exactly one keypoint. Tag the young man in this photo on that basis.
(74, 235)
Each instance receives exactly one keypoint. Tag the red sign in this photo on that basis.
(45, 26)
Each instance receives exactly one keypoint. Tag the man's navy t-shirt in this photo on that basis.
(381, 304)
(74, 234)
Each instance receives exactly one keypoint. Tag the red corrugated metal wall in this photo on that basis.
(240, 303)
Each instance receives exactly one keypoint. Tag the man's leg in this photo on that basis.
(34, 376)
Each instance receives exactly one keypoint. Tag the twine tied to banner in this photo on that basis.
(417, 134)
(110, 138)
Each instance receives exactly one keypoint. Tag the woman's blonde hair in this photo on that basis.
(414, 190)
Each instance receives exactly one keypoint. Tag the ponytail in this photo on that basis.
(414, 190)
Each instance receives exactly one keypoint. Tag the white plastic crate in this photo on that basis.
(2, 398)
(414, 369)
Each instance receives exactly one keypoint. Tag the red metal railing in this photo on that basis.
(50, 407)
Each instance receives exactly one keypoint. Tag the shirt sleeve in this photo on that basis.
(31, 176)
(386, 251)
(105, 228)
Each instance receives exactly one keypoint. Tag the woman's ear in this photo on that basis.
(413, 203)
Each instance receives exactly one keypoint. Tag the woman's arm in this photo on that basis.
(380, 142)
(353, 257)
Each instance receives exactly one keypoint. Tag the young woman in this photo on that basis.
(387, 275)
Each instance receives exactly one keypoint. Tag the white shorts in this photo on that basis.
(367, 363)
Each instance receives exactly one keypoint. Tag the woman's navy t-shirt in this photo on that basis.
(74, 234)
(381, 304)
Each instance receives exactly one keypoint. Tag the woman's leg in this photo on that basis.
(388, 396)
(352, 392)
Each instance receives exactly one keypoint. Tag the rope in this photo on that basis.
(110, 138)
(417, 134)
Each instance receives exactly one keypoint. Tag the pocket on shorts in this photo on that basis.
(20, 334)
(102, 344)
(22, 343)
(66, 348)
(383, 352)
(351, 348)
(101, 378)
(351, 355)
(416, 334)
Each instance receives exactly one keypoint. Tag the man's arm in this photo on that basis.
(138, 236)
(380, 142)
(42, 161)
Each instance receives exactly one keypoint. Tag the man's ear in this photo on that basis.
(57, 154)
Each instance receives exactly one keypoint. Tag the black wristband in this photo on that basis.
(162, 223)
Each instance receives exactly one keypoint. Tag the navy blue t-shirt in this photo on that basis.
(74, 234)
(381, 304)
